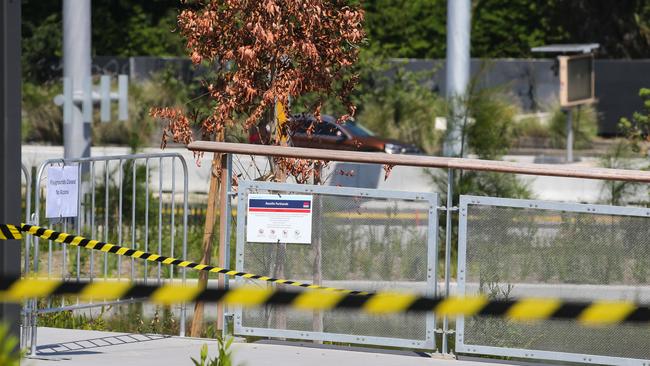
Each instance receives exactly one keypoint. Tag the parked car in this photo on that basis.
(306, 131)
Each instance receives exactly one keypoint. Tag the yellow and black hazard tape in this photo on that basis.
(9, 232)
(13, 232)
(526, 309)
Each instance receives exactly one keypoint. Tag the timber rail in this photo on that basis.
(423, 161)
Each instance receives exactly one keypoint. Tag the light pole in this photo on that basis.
(457, 71)
(77, 130)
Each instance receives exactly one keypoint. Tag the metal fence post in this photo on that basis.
(36, 220)
(227, 231)
(448, 233)
(569, 135)
(26, 328)
(183, 314)
(28, 206)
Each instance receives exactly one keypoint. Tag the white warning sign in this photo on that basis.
(272, 218)
(62, 192)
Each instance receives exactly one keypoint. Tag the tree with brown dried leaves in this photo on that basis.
(265, 52)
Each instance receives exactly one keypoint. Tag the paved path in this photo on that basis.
(81, 347)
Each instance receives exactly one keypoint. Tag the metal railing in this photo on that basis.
(452, 165)
(110, 187)
(26, 328)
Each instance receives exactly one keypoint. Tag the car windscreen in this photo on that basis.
(357, 129)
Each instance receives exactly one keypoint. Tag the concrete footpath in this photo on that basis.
(67, 347)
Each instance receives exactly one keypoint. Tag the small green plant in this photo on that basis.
(165, 88)
(401, 106)
(224, 358)
(637, 129)
(9, 354)
(531, 131)
(585, 126)
(42, 120)
(619, 157)
(69, 320)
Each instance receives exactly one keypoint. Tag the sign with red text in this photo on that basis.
(273, 218)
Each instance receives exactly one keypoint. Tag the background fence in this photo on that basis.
(532, 82)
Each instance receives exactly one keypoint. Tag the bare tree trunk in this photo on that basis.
(196, 327)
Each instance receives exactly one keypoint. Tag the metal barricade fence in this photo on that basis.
(570, 248)
(506, 247)
(28, 212)
(361, 239)
(120, 200)
(26, 329)
(514, 248)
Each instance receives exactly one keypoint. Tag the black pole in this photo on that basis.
(10, 98)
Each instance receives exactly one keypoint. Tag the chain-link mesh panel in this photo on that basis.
(365, 244)
(515, 252)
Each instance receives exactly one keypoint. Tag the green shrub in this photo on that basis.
(163, 88)
(9, 354)
(491, 133)
(224, 358)
(42, 120)
(391, 101)
(115, 318)
(585, 127)
(619, 156)
(637, 129)
(531, 127)
(401, 107)
(69, 320)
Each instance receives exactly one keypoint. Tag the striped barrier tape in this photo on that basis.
(525, 309)
(13, 232)
(8, 232)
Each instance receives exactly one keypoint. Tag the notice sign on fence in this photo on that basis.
(272, 218)
(62, 191)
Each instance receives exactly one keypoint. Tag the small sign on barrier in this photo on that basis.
(272, 218)
(62, 191)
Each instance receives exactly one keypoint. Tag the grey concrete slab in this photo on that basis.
(83, 347)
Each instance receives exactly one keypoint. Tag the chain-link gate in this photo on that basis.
(528, 248)
(362, 239)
